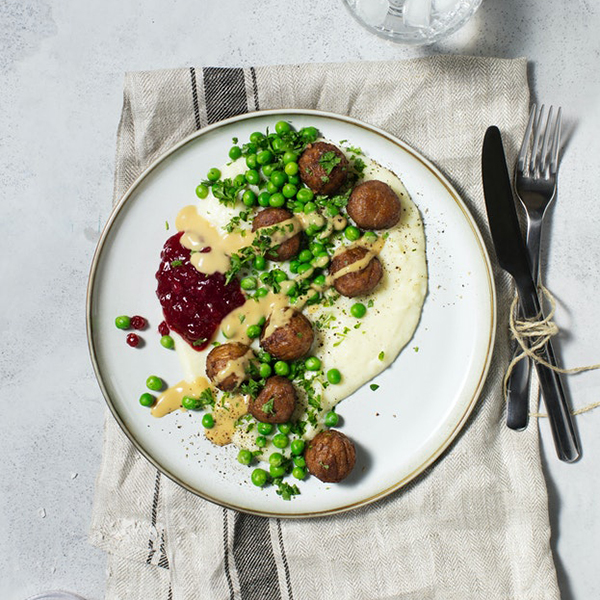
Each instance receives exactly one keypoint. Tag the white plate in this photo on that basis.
(424, 398)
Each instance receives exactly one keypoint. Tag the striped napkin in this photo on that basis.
(474, 525)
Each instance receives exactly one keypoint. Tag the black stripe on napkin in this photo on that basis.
(285, 562)
(254, 558)
(195, 96)
(151, 549)
(226, 553)
(224, 93)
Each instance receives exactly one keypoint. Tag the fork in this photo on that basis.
(535, 184)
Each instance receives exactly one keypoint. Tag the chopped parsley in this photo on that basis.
(285, 490)
(381, 355)
(374, 387)
(268, 407)
(176, 263)
(329, 161)
(199, 342)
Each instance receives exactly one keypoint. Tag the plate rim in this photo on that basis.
(450, 436)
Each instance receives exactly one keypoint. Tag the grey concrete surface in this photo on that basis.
(61, 73)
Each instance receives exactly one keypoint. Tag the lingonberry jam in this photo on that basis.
(133, 340)
(194, 304)
(163, 328)
(138, 322)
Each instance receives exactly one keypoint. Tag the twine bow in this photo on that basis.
(532, 335)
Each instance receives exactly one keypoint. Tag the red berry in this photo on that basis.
(133, 339)
(163, 328)
(138, 322)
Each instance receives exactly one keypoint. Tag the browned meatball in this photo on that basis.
(272, 216)
(361, 281)
(323, 168)
(289, 341)
(276, 402)
(220, 357)
(374, 205)
(330, 456)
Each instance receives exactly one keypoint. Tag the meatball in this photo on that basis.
(272, 216)
(361, 281)
(323, 168)
(330, 456)
(220, 358)
(289, 341)
(374, 205)
(276, 402)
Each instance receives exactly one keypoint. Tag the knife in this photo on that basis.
(512, 257)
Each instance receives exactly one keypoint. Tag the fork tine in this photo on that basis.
(537, 133)
(526, 140)
(556, 143)
(548, 134)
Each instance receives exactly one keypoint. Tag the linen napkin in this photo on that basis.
(475, 524)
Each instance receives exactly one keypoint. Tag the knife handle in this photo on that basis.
(559, 415)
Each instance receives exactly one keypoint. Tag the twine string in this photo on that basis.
(532, 335)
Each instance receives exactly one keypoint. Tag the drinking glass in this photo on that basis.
(415, 22)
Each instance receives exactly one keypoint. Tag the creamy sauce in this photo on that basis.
(225, 416)
(372, 248)
(237, 366)
(170, 399)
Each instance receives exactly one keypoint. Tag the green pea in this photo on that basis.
(202, 191)
(191, 403)
(312, 363)
(291, 169)
(277, 200)
(331, 210)
(147, 399)
(282, 127)
(298, 207)
(334, 376)
(299, 473)
(213, 174)
(289, 190)
(271, 187)
(252, 176)
(310, 207)
(309, 134)
(253, 331)
(276, 472)
(251, 161)
(314, 298)
(305, 256)
(305, 194)
(264, 370)
(358, 310)
(316, 247)
(303, 267)
(294, 264)
(259, 477)
(261, 441)
(284, 427)
(293, 178)
(265, 157)
(278, 178)
(261, 292)
(235, 152)
(290, 157)
(244, 457)
(166, 341)
(154, 383)
(279, 275)
(297, 447)
(265, 357)
(256, 137)
(268, 170)
(265, 428)
(280, 440)
(321, 260)
(123, 322)
(281, 368)
(259, 262)
(248, 283)
(249, 198)
(239, 180)
(276, 459)
(370, 236)
(208, 421)
(352, 233)
(299, 461)
(331, 419)
(263, 199)
(319, 280)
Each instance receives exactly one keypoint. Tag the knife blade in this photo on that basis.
(512, 257)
